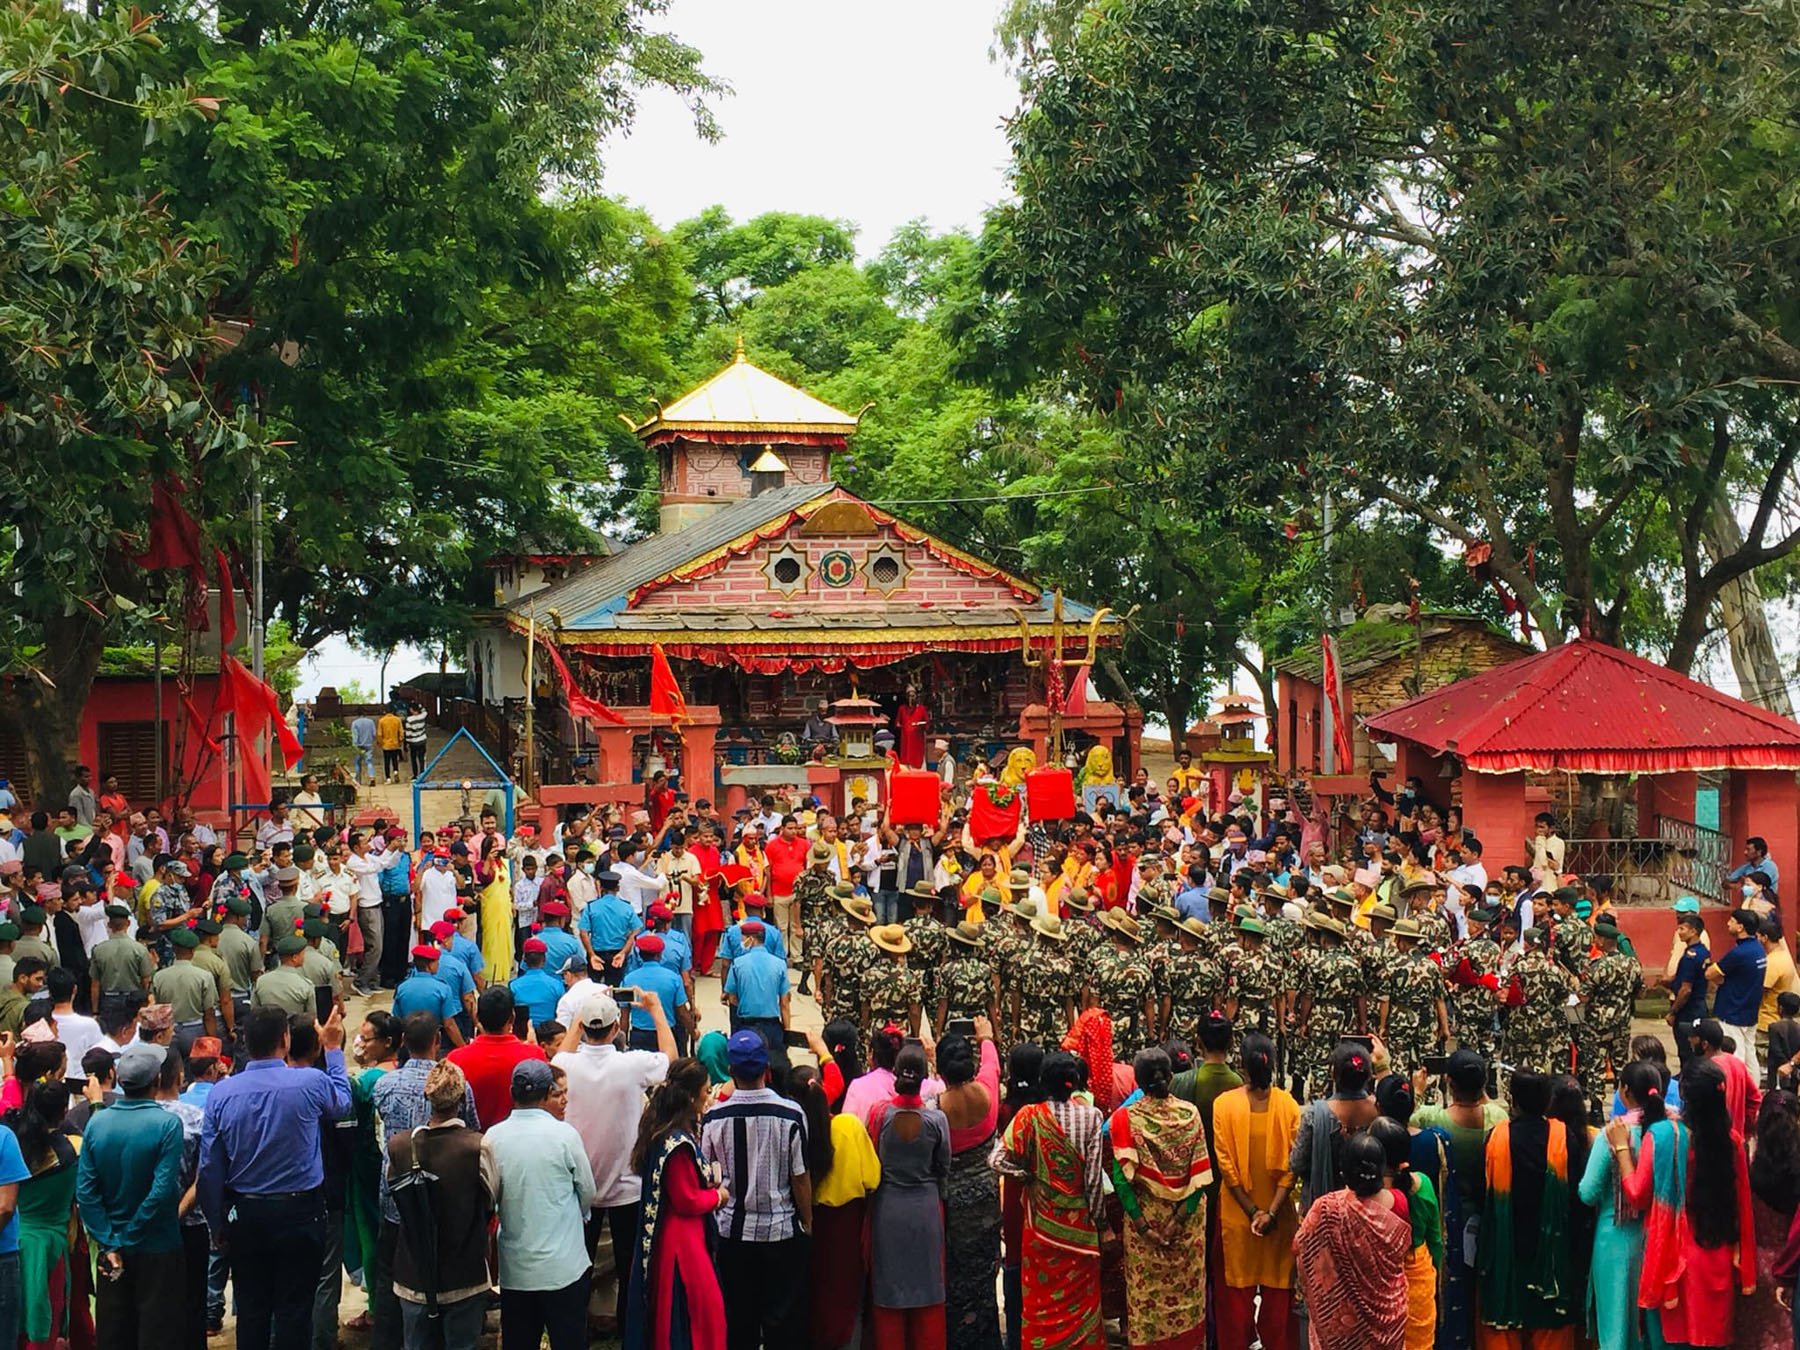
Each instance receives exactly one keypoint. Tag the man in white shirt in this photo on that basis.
(435, 888)
(277, 829)
(680, 871)
(309, 807)
(1469, 870)
(1545, 845)
(580, 881)
(78, 1033)
(639, 886)
(339, 887)
(366, 867)
(607, 1087)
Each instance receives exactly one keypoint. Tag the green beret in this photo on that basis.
(290, 944)
(185, 938)
(1567, 894)
(314, 928)
(209, 927)
(1606, 928)
(236, 904)
(9, 932)
(33, 916)
(1484, 915)
(235, 861)
(303, 853)
(118, 911)
(1535, 933)
(313, 912)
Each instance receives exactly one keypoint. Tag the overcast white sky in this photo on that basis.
(868, 112)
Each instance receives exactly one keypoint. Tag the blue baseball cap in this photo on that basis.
(1687, 905)
(747, 1052)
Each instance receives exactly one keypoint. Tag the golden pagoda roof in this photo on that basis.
(745, 397)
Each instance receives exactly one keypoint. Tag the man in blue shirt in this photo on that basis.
(427, 991)
(534, 988)
(559, 943)
(1757, 859)
(1738, 974)
(1190, 901)
(454, 970)
(262, 1172)
(464, 948)
(362, 740)
(129, 1187)
(650, 973)
(756, 987)
(606, 928)
(731, 945)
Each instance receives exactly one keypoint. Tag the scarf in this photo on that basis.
(1164, 1140)
(1091, 1041)
(1350, 1268)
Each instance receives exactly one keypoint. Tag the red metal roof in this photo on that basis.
(1585, 707)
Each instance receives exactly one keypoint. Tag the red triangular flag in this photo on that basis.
(1075, 701)
(665, 694)
(580, 705)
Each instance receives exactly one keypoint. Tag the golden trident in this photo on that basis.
(1034, 657)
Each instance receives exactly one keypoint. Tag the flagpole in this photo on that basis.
(1328, 722)
(530, 703)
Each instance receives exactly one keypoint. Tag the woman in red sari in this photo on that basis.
(709, 910)
(1352, 1249)
(672, 1299)
(1054, 1145)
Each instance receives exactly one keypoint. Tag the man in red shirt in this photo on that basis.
(787, 854)
(488, 1060)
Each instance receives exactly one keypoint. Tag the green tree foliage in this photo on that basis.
(1522, 272)
(732, 264)
(104, 325)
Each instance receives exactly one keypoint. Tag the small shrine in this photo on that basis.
(1224, 741)
(793, 614)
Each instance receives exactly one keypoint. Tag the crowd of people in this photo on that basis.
(1154, 1074)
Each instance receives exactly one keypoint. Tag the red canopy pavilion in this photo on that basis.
(1587, 708)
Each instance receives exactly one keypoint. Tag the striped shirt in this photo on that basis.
(757, 1141)
(415, 727)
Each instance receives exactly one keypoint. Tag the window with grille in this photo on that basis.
(128, 749)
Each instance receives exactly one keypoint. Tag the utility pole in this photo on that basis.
(530, 704)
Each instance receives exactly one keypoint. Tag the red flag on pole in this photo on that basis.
(580, 705)
(1333, 680)
(665, 693)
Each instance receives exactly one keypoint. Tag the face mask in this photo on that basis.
(588, 867)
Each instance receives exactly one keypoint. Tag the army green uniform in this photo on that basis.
(121, 964)
(849, 954)
(321, 970)
(209, 960)
(890, 991)
(1375, 955)
(34, 946)
(930, 939)
(964, 983)
(812, 899)
(1414, 986)
(1472, 1005)
(1195, 987)
(278, 920)
(242, 958)
(1047, 986)
(1573, 943)
(1610, 984)
(1161, 956)
(1252, 977)
(1333, 977)
(285, 987)
(1537, 1031)
(188, 989)
(1121, 983)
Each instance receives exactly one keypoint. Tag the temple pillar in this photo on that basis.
(1766, 802)
(1495, 810)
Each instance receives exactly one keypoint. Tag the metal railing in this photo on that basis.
(1681, 859)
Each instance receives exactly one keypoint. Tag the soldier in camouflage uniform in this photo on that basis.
(1413, 1019)
(930, 939)
(812, 899)
(1218, 924)
(1044, 996)
(1154, 890)
(849, 954)
(1537, 1026)
(1121, 983)
(891, 991)
(1161, 952)
(1329, 1002)
(1573, 944)
(965, 983)
(1609, 986)
(1473, 967)
(1087, 938)
(1377, 954)
(1422, 908)
(1005, 938)
(1194, 985)
(1253, 994)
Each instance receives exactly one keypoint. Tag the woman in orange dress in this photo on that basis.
(1253, 1136)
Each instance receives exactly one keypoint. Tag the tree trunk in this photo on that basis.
(46, 716)
(1760, 677)
(1177, 710)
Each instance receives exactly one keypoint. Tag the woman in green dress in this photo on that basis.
(46, 1204)
(377, 1040)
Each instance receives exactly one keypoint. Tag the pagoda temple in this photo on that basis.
(776, 595)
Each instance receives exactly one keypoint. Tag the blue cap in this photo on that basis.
(533, 1075)
(1687, 905)
(607, 878)
(747, 1052)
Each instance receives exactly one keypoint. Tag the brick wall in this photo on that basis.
(702, 470)
(929, 582)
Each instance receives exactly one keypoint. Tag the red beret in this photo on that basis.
(426, 952)
(534, 945)
(755, 901)
(443, 928)
(754, 927)
(660, 911)
(650, 945)
(556, 909)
